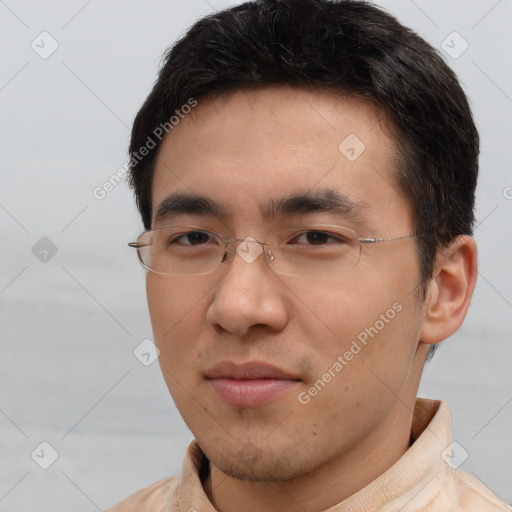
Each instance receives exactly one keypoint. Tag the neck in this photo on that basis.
(332, 483)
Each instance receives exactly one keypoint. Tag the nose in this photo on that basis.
(249, 295)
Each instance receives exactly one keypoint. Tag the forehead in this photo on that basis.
(247, 147)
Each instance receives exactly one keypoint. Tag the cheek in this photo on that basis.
(177, 312)
(371, 313)
(366, 363)
(173, 300)
(333, 312)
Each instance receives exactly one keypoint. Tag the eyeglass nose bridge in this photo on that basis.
(248, 248)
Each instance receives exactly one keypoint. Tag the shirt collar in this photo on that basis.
(408, 482)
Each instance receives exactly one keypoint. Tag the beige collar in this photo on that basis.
(409, 482)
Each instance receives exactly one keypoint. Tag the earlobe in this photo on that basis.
(450, 290)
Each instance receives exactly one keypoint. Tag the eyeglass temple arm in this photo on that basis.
(376, 240)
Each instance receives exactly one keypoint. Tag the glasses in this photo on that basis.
(319, 249)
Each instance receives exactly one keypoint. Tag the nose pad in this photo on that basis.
(249, 249)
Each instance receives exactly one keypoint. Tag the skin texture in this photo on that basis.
(241, 149)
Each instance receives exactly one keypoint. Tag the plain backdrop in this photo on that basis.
(72, 298)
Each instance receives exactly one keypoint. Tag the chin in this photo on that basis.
(254, 464)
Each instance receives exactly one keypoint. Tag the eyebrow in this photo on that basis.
(176, 204)
(326, 200)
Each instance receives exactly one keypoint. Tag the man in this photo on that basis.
(305, 171)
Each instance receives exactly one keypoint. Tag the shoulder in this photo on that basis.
(150, 499)
(469, 494)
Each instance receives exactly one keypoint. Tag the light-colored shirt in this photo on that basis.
(423, 479)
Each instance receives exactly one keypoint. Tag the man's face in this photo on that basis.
(244, 151)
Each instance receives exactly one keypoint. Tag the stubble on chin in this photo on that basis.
(252, 464)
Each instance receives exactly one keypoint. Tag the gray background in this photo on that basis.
(69, 324)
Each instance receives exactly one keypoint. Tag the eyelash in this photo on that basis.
(337, 238)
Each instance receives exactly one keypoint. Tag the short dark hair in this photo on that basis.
(347, 46)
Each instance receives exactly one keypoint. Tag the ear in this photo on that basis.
(450, 290)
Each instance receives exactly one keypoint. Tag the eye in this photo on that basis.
(317, 238)
(193, 238)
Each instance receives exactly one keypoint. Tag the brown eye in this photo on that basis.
(193, 238)
(317, 238)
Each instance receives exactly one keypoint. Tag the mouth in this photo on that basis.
(250, 384)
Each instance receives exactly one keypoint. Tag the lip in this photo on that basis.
(248, 371)
(251, 384)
